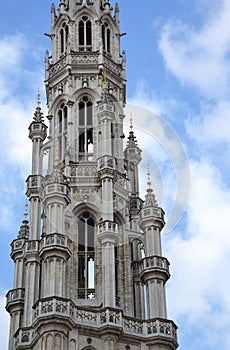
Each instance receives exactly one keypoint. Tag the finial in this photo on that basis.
(149, 183)
(39, 98)
(131, 121)
(26, 211)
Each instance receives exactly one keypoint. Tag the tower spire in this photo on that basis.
(89, 271)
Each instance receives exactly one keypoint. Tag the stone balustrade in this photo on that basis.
(105, 107)
(32, 246)
(83, 171)
(156, 212)
(34, 181)
(15, 295)
(17, 245)
(55, 240)
(61, 189)
(108, 226)
(106, 162)
(106, 317)
(154, 261)
(25, 337)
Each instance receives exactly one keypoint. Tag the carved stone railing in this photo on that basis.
(25, 337)
(54, 188)
(156, 212)
(55, 241)
(34, 181)
(108, 226)
(17, 247)
(15, 296)
(106, 162)
(57, 67)
(83, 171)
(113, 318)
(152, 264)
(105, 107)
(84, 58)
(32, 246)
(154, 261)
(114, 68)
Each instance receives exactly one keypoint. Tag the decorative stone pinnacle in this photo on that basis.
(38, 117)
(24, 228)
(26, 211)
(39, 98)
(149, 182)
(131, 121)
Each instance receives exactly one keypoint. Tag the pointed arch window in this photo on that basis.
(61, 131)
(86, 255)
(64, 33)
(106, 37)
(85, 34)
(85, 130)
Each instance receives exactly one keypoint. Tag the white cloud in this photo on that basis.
(212, 125)
(165, 152)
(16, 112)
(12, 48)
(200, 56)
(199, 290)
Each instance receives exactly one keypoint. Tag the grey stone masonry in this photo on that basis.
(89, 271)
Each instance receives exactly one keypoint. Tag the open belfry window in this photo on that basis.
(106, 37)
(85, 34)
(86, 255)
(62, 130)
(85, 130)
(64, 32)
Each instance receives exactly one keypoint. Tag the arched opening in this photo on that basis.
(64, 32)
(61, 132)
(106, 37)
(85, 34)
(85, 130)
(86, 255)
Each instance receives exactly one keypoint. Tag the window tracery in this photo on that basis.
(86, 255)
(85, 128)
(62, 130)
(106, 37)
(64, 33)
(85, 34)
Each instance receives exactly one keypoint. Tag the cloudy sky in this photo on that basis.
(178, 66)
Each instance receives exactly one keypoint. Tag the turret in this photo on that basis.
(154, 270)
(132, 156)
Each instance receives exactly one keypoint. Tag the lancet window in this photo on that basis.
(64, 32)
(86, 255)
(106, 37)
(85, 34)
(61, 130)
(85, 131)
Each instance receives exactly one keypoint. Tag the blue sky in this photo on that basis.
(178, 69)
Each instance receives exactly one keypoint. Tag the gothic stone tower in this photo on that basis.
(89, 271)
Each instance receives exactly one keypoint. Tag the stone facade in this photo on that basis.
(89, 271)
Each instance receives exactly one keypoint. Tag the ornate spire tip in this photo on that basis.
(149, 182)
(26, 211)
(39, 99)
(131, 121)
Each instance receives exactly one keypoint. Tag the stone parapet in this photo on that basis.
(25, 338)
(15, 299)
(153, 267)
(112, 318)
(56, 241)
